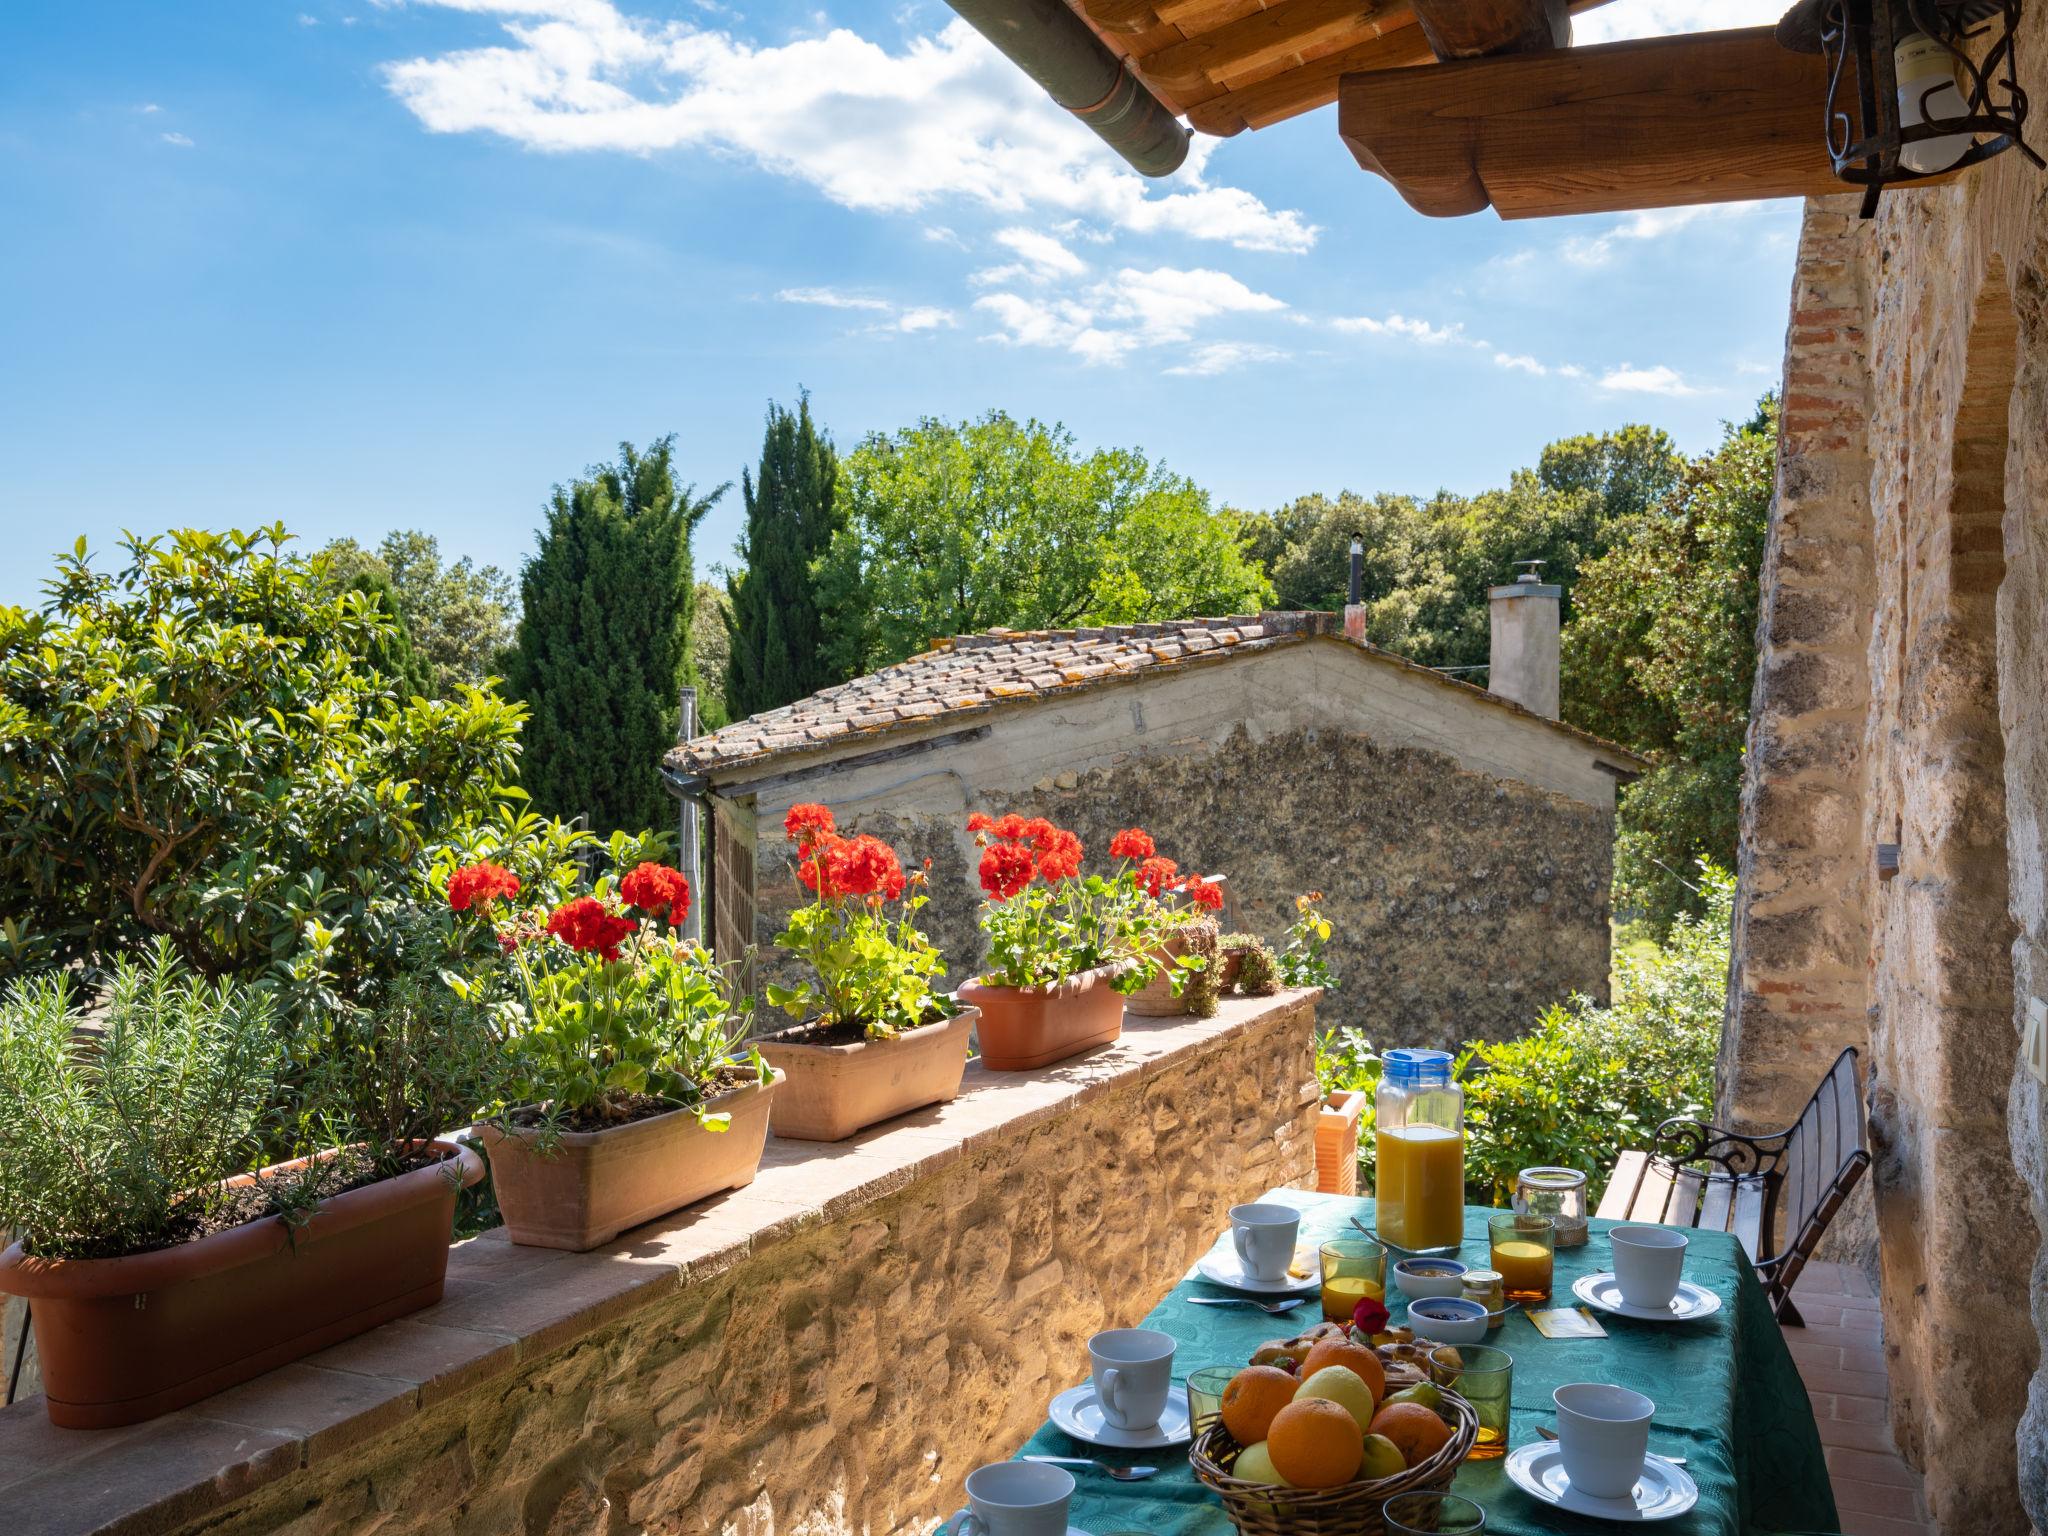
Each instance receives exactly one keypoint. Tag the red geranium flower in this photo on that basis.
(584, 925)
(478, 885)
(658, 891)
(864, 866)
(979, 822)
(806, 823)
(1059, 853)
(1006, 868)
(1132, 843)
(1158, 874)
(1203, 894)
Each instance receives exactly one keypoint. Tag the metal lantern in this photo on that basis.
(1916, 88)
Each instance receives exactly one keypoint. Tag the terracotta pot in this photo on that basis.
(1156, 1000)
(835, 1090)
(122, 1340)
(1337, 1142)
(1026, 1027)
(596, 1184)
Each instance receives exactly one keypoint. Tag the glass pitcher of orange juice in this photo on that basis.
(1419, 1133)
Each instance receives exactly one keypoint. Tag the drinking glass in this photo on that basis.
(1485, 1378)
(1560, 1194)
(1205, 1395)
(1524, 1250)
(1431, 1513)
(1354, 1268)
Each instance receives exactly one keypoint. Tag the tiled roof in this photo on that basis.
(971, 673)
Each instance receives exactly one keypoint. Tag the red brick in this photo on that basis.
(1863, 1357)
(1855, 1494)
(1832, 1378)
(1880, 1467)
(1860, 1524)
(1859, 1409)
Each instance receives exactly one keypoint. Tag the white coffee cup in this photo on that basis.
(1264, 1238)
(1603, 1433)
(1133, 1372)
(1648, 1262)
(1015, 1498)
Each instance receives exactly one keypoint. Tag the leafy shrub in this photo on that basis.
(1303, 962)
(118, 1144)
(194, 748)
(1588, 1082)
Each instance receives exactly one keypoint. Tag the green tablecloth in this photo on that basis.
(1728, 1399)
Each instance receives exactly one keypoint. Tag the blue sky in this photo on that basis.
(363, 264)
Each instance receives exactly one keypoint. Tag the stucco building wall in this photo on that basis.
(1464, 849)
(1901, 706)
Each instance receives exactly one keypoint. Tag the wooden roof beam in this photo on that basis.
(1709, 117)
(1471, 29)
(1269, 36)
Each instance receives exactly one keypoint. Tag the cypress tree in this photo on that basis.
(393, 655)
(792, 513)
(604, 639)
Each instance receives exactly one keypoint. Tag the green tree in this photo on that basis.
(459, 616)
(1661, 655)
(392, 655)
(956, 528)
(604, 638)
(711, 650)
(792, 514)
(193, 747)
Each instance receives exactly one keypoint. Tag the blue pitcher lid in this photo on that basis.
(1415, 1069)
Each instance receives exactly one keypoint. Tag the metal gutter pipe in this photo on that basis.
(1077, 69)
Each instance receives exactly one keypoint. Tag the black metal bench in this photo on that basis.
(1699, 1175)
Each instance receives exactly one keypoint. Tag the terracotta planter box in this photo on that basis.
(832, 1091)
(1026, 1027)
(596, 1184)
(1337, 1143)
(122, 1340)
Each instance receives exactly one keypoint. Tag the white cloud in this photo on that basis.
(1108, 320)
(1043, 254)
(948, 118)
(1628, 379)
(924, 317)
(1520, 361)
(1225, 356)
(832, 298)
(1648, 224)
(1401, 325)
(308, 21)
(177, 139)
(148, 107)
(1660, 18)
(909, 319)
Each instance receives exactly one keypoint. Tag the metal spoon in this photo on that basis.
(1120, 1474)
(1270, 1308)
(1550, 1434)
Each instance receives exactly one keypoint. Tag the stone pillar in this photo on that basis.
(1798, 991)
(1524, 655)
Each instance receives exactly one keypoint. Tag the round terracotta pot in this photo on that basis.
(123, 1340)
(834, 1091)
(1026, 1027)
(1156, 1000)
(593, 1185)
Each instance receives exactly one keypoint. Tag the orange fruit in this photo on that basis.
(1254, 1395)
(1356, 1358)
(1315, 1443)
(1416, 1432)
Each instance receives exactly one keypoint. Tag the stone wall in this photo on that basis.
(1465, 898)
(828, 1351)
(1935, 548)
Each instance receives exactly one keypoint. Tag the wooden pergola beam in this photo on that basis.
(1709, 117)
(1267, 36)
(1471, 29)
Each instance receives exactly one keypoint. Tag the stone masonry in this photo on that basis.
(828, 1351)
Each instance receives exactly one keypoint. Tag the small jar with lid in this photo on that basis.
(1489, 1288)
(1560, 1194)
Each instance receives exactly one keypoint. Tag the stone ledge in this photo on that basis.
(507, 1307)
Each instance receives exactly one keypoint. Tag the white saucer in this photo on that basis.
(1222, 1266)
(1664, 1493)
(1076, 1411)
(953, 1521)
(1604, 1291)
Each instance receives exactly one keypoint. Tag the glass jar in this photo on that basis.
(1419, 1141)
(1489, 1288)
(1560, 1194)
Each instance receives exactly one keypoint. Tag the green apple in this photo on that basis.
(1344, 1387)
(1383, 1458)
(1424, 1392)
(1255, 1465)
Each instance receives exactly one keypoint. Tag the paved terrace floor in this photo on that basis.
(1840, 1353)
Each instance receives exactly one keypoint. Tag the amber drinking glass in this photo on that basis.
(1524, 1250)
(1205, 1395)
(1354, 1269)
(1485, 1378)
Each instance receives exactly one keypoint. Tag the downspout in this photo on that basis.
(693, 790)
(1077, 69)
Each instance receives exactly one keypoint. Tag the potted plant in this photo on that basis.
(1064, 949)
(1182, 905)
(163, 1260)
(875, 1040)
(630, 1093)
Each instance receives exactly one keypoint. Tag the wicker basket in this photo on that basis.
(1351, 1509)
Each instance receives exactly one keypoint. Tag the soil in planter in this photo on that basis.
(279, 1195)
(625, 1108)
(816, 1033)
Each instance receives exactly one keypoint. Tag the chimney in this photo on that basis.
(1524, 660)
(1354, 609)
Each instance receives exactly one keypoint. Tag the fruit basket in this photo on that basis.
(1349, 1509)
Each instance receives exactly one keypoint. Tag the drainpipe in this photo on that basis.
(1077, 69)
